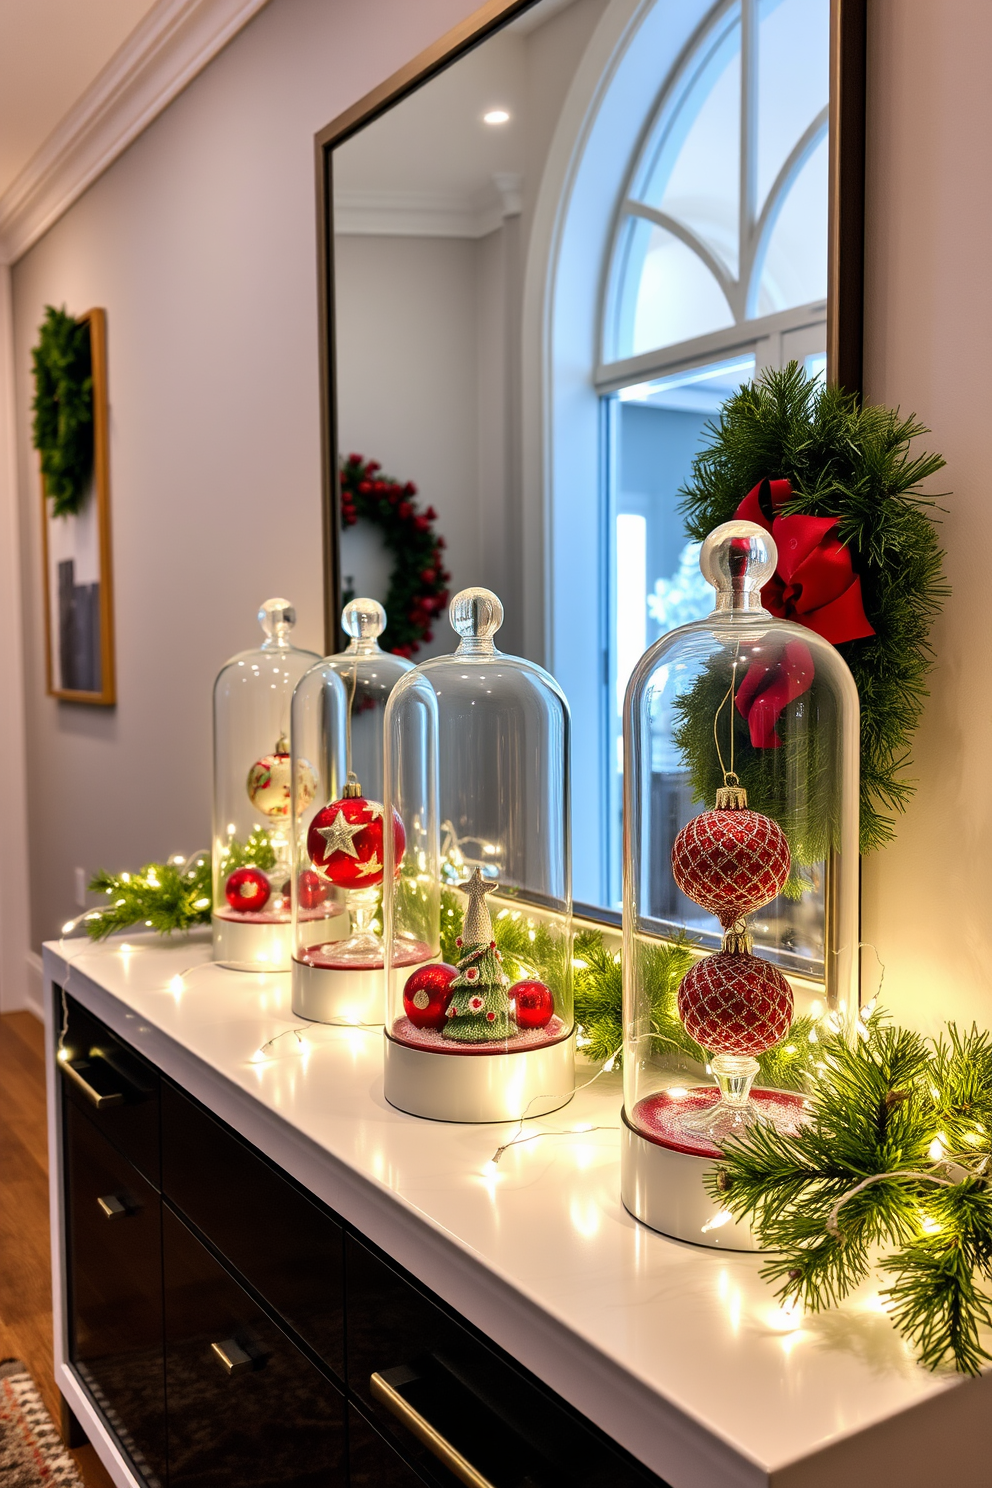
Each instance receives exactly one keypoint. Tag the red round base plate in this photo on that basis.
(661, 1117)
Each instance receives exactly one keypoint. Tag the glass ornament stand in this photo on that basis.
(481, 693)
(338, 961)
(252, 700)
(673, 1124)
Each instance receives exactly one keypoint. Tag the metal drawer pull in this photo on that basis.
(113, 1098)
(232, 1356)
(112, 1207)
(422, 1429)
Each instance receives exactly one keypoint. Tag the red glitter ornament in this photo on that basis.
(310, 892)
(427, 994)
(535, 1004)
(345, 842)
(731, 860)
(734, 1003)
(247, 889)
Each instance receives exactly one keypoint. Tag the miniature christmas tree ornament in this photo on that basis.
(476, 768)
(338, 845)
(252, 828)
(735, 684)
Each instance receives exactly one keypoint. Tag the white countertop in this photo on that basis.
(677, 1352)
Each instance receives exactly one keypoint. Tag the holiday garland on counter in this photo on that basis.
(895, 1156)
(418, 584)
(63, 409)
(836, 483)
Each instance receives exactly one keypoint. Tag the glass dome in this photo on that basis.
(477, 772)
(756, 721)
(251, 828)
(338, 712)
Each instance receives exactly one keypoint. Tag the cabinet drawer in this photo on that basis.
(288, 1248)
(114, 1269)
(116, 1088)
(506, 1424)
(245, 1406)
(373, 1462)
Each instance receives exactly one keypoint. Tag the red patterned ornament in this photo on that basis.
(534, 1004)
(731, 860)
(427, 994)
(345, 842)
(734, 1003)
(247, 889)
(310, 892)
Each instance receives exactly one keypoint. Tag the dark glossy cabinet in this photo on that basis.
(115, 1286)
(233, 1331)
(244, 1404)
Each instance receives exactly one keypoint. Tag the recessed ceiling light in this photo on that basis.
(496, 116)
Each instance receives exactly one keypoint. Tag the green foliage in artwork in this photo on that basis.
(63, 409)
(893, 1159)
(855, 462)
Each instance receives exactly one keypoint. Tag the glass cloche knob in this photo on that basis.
(475, 614)
(277, 618)
(363, 619)
(738, 559)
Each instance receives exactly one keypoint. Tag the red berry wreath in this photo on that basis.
(418, 584)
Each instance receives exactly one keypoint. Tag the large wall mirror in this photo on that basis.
(552, 247)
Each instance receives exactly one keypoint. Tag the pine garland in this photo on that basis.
(166, 897)
(854, 462)
(63, 408)
(895, 1155)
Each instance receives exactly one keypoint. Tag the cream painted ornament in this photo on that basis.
(270, 783)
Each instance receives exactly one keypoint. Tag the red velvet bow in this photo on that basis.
(815, 583)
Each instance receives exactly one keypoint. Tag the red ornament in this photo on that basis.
(247, 889)
(731, 861)
(535, 1004)
(426, 995)
(345, 842)
(310, 892)
(734, 1003)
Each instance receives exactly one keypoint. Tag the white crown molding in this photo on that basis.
(174, 42)
(429, 214)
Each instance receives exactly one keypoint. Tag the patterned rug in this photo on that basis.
(31, 1450)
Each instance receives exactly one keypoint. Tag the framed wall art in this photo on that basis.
(71, 435)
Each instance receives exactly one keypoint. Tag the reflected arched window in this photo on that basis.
(724, 214)
(716, 269)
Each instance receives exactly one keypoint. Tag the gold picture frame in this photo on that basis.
(79, 616)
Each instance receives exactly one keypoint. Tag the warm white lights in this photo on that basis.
(496, 116)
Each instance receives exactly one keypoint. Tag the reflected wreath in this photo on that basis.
(418, 584)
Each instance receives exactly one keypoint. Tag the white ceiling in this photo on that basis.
(50, 53)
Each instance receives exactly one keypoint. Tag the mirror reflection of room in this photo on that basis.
(553, 262)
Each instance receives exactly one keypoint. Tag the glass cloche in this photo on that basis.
(337, 731)
(752, 723)
(251, 855)
(478, 917)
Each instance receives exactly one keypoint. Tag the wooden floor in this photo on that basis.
(25, 1261)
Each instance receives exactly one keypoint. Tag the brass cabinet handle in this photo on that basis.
(112, 1207)
(422, 1429)
(232, 1356)
(113, 1098)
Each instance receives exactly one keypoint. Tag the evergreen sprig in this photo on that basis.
(162, 896)
(893, 1155)
(854, 462)
(63, 408)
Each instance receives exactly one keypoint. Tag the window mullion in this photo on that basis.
(748, 206)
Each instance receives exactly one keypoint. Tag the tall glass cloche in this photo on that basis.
(762, 716)
(338, 713)
(251, 855)
(479, 903)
